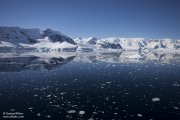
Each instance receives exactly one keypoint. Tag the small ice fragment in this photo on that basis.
(48, 116)
(35, 95)
(156, 99)
(94, 112)
(62, 93)
(75, 80)
(81, 112)
(176, 108)
(38, 114)
(71, 111)
(176, 84)
(48, 96)
(139, 115)
(30, 108)
(107, 98)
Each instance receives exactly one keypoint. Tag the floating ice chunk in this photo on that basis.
(30, 108)
(136, 56)
(176, 84)
(107, 98)
(139, 115)
(38, 114)
(81, 112)
(35, 95)
(48, 116)
(156, 99)
(48, 96)
(71, 111)
(95, 113)
(176, 108)
(62, 93)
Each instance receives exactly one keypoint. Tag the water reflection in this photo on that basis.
(31, 63)
(129, 57)
(37, 61)
(91, 86)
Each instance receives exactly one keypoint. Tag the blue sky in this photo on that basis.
(99, 18)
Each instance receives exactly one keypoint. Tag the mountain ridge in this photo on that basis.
(34, 39)
(131, 43)
(16, 38)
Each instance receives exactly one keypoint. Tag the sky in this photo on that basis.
(99, 18)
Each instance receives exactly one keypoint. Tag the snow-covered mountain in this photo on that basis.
(129, 44)
(86, 44)
(34, 39)
(16, 38)
(89, 40)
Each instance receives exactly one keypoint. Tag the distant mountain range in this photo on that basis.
(16, 38)
(127, 44)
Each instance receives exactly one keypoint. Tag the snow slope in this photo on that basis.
(34, 39)
(47, 45)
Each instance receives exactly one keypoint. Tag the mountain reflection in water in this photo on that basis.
(91, 85)
(37, 61)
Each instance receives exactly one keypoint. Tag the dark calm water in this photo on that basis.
(91, 86)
